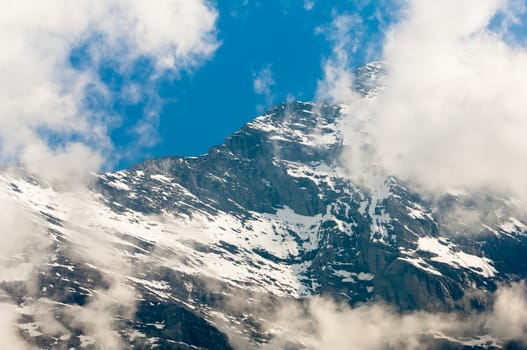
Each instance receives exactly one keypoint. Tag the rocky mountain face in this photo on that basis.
(195, 252)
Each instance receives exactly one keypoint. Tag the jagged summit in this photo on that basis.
(253, 167)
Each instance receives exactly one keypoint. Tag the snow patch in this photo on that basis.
(513, 226)
(447, 253)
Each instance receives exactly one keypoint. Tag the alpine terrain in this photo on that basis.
(203, 252)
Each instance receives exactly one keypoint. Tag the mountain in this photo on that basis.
(198, 252)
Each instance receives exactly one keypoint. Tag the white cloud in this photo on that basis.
(508, 319)
(308, 5)
(452, 113)
(24, 240)
(96, 318)
(41, 93)
(454, 98)
(323, 324)
(263, 82)
(10, 339)
(24, 247)
(345, 33)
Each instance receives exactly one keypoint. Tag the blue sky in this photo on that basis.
(147, 81)
(203, 106)
(97, 85)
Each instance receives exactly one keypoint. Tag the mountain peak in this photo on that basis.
(269, 213)
(307, 123)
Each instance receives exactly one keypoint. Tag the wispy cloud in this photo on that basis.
(309, 4)
(345, 33)
(262, 83)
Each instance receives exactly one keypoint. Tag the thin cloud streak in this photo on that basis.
(262, 83)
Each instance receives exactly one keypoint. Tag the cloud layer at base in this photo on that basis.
(323, 324)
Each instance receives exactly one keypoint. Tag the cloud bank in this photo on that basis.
(322, 324)
(48, 103)
(452, 113)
